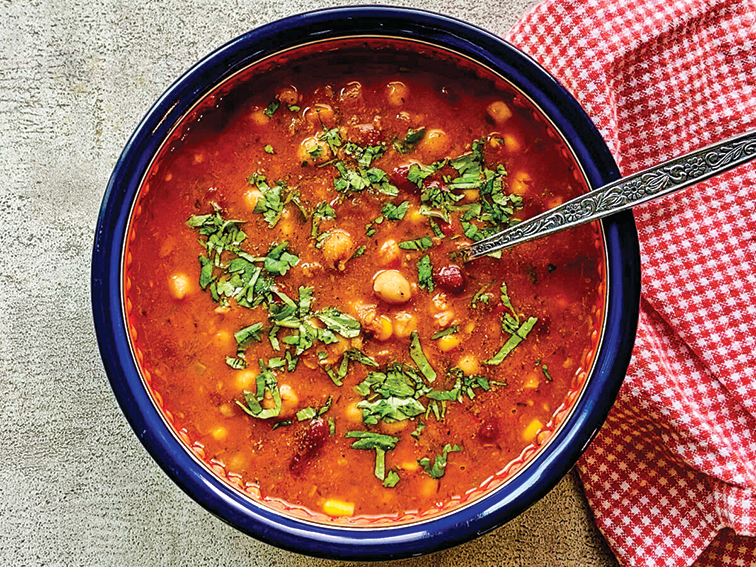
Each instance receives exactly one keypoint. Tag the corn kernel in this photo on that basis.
(532, 430)
(338, 508)
(499, 111)
(448, 342)
(219, 433)
(469, 364)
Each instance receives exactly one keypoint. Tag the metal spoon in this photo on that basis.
(624, 194)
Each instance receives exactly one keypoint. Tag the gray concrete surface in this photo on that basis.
(76, 487)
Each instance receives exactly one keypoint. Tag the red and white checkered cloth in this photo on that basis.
(671, 477)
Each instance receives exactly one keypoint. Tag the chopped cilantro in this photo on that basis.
(322, 212)
(338, 322)
(546, 373)
(359, 252)
(514, 340)
(279, 260)
(419, 173)
(417, 244)
(332, 138)
(269, 149)
(410, 140)
(417, 354)
(311, 413)
(395, 212)
(236, 363)
(425, 273)
(438, 469)
(418, 430)
(272, 200)
(449, 331)
(265, 382)
(506, 302)
(367, 440)
(392, 479)
(271, 108)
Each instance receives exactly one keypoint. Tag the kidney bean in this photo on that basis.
(310, 442)
(488, 431)
(399, 178)
(451, 278)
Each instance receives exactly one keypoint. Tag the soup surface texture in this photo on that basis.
(297, 306)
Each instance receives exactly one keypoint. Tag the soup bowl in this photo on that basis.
(185, 108)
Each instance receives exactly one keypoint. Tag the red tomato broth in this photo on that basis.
(181, 344)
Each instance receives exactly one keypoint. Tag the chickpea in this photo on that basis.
(392, 287)
(245, 379)
(258, 116)
(389, 252)
(337, 247)
(288, 394)
(351, 94)
(415, 216)
(385, 328)
(223, 341)
(220, 433)
(499, 112)
(532, 429)
(251, 197)
(444, 319)
(520, 183)
(365, 313)
(434, 145)
(227, 410)
(404, 324)
(289, 399)
(429, 487)
(319, 114)
(288, 95)
(397, 93)
(313, 150)
(512, 144)
(353, 413)
(180, 285)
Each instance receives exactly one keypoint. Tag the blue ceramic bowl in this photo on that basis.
(548, 466)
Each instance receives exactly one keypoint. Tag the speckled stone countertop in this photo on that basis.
(77, 488)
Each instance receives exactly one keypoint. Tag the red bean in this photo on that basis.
(488, 431)
(446, 227)
(451, 278)
(399, 178)
(367, 135)
(309, 444)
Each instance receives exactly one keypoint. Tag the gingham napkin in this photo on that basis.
(671, 477)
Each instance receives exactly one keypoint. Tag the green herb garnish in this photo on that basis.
(514, 340)
(425, 274)
(417, 244)
(417, 354)
(449, 331)
(271, 108)
(410, 141)
(438, 469)
(377, 442)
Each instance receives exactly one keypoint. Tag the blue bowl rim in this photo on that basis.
(379, 543)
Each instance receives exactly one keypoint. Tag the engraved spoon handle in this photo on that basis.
(624, 193)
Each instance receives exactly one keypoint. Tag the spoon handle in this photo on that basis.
(624, 193)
